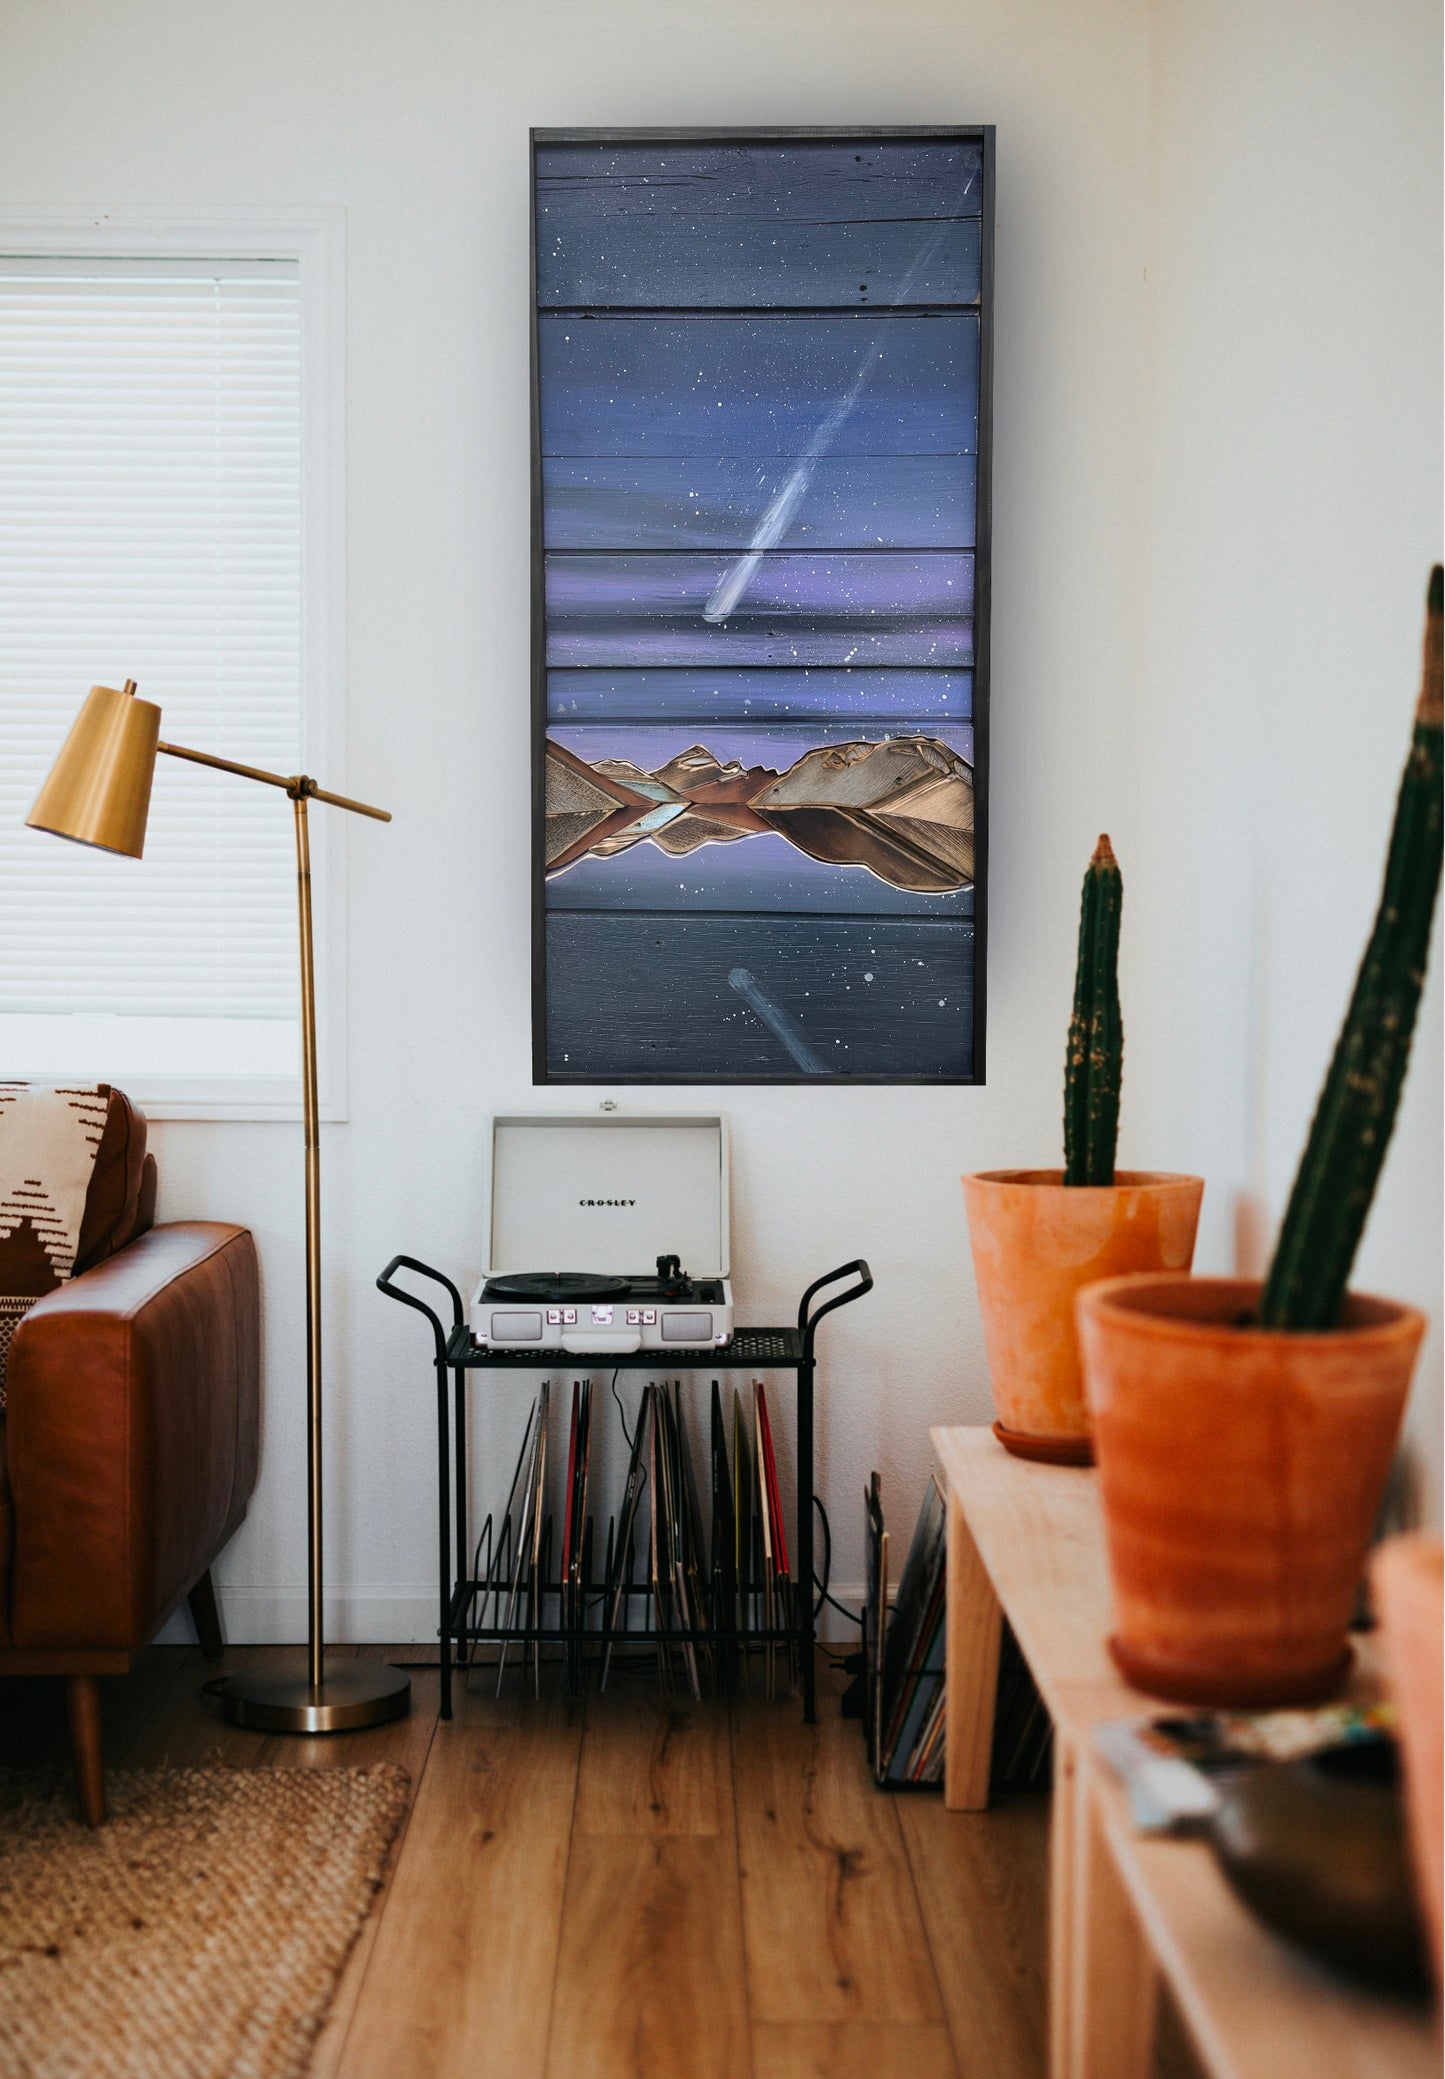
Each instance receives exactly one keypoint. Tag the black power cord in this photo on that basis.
(853, 1616)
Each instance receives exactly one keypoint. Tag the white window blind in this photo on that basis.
(151, 528)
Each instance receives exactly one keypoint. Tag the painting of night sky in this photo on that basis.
(760, 437)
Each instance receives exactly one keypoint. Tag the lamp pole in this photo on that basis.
(98, 793)
(316, 1614)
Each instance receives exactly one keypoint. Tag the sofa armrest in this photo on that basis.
(133, 1433)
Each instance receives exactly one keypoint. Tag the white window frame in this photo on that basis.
(316, 240)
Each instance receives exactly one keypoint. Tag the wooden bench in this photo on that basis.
(1126, 1910)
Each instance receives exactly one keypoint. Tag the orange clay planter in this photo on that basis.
(1408, 1580)
(1240, 1472)
(1035, 1242)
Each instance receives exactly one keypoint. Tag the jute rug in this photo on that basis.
(200, 1934)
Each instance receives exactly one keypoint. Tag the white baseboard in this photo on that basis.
(354, 1617)
(386, 1617)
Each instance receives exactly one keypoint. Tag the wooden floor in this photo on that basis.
(633, 1887)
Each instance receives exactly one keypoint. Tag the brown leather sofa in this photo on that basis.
(128, 1449)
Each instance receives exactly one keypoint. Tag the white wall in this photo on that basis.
(1217, 492)
(1295, 509)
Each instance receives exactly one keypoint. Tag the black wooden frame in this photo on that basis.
(983, 134)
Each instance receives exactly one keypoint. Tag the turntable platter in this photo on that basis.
(557, 1288)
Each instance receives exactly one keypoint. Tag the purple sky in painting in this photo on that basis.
(707, 502)
(819, 607)
(921, 699)
(778, 747)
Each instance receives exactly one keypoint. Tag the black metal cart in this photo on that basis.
(751, 1349)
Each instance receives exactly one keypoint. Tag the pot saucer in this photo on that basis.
(1047, 1450)
(1180, 1682)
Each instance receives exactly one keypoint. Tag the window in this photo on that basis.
(166, 445)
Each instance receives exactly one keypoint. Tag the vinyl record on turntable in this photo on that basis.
(557, 1288)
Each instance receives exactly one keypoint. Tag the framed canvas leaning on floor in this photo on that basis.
(761, 379)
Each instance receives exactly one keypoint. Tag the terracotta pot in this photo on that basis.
(1407, 1578)
(1035, 1241)
(1240, 1471)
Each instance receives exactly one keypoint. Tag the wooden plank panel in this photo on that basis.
(650, 1975)
(853, 221)
(655, 1765)
(751, 636)
(763, 388)
(761, 870)
(758, 697)
(461, 1971)
(763, 874)
(660, 266)
(716, 501)
(982, 1884)
(650, 607)
(615, 1003)
(772, 746)
(830, 1917)
(808, 180)
(852, 2050)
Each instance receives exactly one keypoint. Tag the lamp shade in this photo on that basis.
(98, 791)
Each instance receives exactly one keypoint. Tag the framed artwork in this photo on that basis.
(760, 425)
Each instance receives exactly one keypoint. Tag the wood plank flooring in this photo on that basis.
(635, 1885)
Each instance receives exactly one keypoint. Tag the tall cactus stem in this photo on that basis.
(1355, 1115)
(1094, 1068)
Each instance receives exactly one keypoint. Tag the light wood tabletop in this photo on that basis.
(1026, 1541)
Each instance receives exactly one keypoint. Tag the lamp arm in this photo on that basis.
(298, 785)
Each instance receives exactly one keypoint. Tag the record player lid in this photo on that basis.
(608, 1194)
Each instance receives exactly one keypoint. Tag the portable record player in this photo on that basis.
(635, 1211)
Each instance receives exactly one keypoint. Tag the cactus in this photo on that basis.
(1351, 1130)
(1095, 1064)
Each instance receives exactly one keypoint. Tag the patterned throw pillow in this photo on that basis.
(49, 1140)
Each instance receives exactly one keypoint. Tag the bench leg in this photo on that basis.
(1063, 1907)
(1113, 1988)
(974, 1623)
(207, 1617)
(82, 1695)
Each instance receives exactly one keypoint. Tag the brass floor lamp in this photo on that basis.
(98, 793)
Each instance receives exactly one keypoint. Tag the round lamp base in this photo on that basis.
(353, 1694)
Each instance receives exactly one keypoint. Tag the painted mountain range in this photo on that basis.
(901, 809)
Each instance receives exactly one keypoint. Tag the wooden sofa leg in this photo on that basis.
(207, 1616)
(83, 1701)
